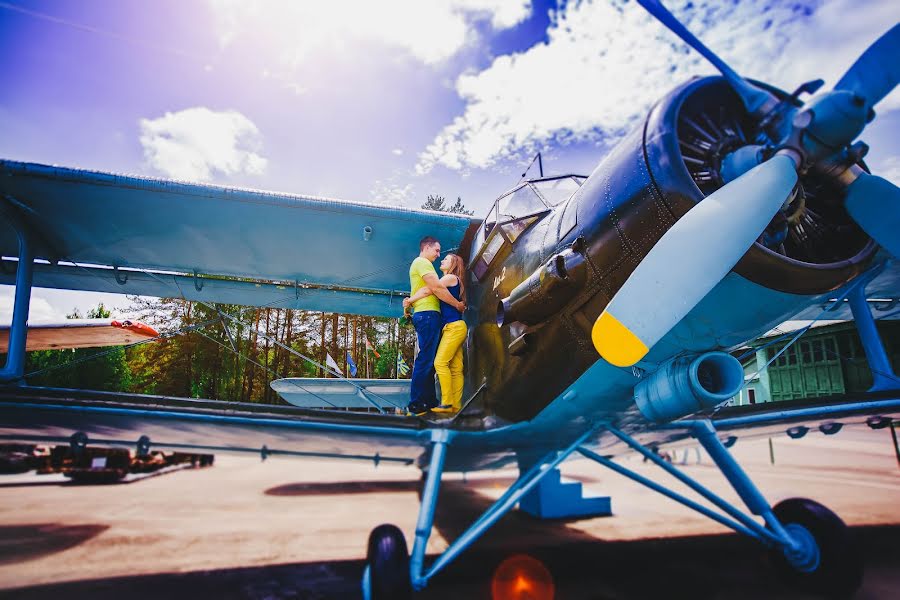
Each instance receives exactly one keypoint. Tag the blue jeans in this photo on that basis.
(428, 329)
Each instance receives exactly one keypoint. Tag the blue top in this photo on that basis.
(449, 314)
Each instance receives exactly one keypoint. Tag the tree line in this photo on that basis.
(202, 353)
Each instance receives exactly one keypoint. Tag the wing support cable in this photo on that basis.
(800, 550)
(366, 394)
(879, 363)
(267, 369)
(362, 392)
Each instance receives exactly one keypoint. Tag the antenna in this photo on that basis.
(540, 162)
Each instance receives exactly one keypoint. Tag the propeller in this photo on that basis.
(690, 259)
(695, 254)
(874, 203)
(877, 71)
(754, 98)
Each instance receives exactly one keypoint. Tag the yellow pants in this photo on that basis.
(448, 363)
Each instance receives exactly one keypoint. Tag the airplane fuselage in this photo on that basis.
(520, 362)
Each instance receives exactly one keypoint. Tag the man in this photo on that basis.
(426, 319)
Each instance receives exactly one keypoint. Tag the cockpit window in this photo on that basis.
(556, 191)
(515, 213)
(520, 203)
(513, 229)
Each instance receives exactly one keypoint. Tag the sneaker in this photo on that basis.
(444, 408)
(416, 410)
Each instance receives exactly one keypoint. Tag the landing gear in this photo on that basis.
(809, 544)
(831, 566)
(387, 565)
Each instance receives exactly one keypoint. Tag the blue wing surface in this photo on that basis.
(52, 416)
(303, 251)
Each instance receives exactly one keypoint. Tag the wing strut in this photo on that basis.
(18, 333)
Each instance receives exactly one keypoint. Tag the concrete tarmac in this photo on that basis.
(287, 528)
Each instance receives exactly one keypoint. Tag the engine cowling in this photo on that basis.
(817, 249)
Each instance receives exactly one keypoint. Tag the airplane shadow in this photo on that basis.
(461, 503)
(717, 567)
(19, 543)
(341, 487)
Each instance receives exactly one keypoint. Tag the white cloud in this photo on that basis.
(605, 64)
(39, 311)
(195, 143)
(393, 194)
(890, 169)
(397, 152)
(430, 31)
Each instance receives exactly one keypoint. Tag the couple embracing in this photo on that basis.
(437, 305)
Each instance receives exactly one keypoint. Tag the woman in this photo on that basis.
(448, 363)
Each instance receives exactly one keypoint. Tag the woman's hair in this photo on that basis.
(458, 268)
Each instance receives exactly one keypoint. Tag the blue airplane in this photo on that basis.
(601, 309)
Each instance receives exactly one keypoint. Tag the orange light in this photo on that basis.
(522, 577)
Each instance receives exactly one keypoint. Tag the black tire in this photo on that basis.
(840, 570)
(388, 561)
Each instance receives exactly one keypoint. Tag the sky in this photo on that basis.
(384, 102)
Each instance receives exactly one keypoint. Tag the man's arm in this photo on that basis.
(423, 291)
(440, 290)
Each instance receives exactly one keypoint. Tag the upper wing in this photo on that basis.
(166, 238)
(80, 333)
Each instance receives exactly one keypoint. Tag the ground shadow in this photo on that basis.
(19, 543)
(317, 488)
(341, 487)
(461, 503)
(721, 567)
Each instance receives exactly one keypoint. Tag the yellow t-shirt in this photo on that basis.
(417, 269)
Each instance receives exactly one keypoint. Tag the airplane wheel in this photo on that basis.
(388, 562)
(833, 568)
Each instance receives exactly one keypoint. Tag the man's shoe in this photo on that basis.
(444, 408)
(416, 410)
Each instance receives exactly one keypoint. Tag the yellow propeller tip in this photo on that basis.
(616, 343)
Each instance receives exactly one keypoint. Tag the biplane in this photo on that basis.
(602, 308)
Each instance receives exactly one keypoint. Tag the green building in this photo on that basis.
(827, 360)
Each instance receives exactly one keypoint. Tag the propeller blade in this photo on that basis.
(874, 203)
(752, 97)
(877, 71)
(689, 260)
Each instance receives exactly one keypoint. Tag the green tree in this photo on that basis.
(104, 369)
(435, 202)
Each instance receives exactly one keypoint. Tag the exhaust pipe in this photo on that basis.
(545, 291)
(687, 384)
